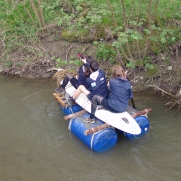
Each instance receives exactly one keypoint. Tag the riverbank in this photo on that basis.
(58, 53)
(35, 46)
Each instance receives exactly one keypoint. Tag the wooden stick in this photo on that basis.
(61, 99)
(58, 96)
(75, 114)
(96, 129)
(145, 111)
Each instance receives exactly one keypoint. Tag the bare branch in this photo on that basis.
(161, 90)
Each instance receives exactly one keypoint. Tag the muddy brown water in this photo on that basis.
(35, 144)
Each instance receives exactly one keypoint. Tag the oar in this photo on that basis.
(132, 101)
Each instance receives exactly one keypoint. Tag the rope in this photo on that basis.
(92, 139)
(70, 123)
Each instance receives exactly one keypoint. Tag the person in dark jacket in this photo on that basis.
(120, 94)
(95, 85)
(83, 73)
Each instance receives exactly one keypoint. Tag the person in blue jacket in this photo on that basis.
(95, 85)
(120, 93)
(83, 73)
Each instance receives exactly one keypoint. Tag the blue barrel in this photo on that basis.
(70, 110)
(98, 142)
(144, 125)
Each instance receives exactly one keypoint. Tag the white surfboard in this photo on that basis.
(122, 121)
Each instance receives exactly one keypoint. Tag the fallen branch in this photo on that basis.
(174, 103)
(177, 102)
(161, 90)
(68, 53)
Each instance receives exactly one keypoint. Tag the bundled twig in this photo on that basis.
(61, 74)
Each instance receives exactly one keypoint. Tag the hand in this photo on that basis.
(84, 60)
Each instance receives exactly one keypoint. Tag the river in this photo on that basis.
(35, 144)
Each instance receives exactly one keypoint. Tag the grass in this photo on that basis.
(18, 27)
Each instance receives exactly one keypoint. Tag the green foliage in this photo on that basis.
(72, 36)
(131, 65)
(18, 28)
(151, 72)
(105, 52)
(59, 62)
(8, 63)
(19, 64)
(75, 62)
(65, 20)
(147, 63)
(128, 36)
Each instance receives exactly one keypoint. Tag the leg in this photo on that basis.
(96, 100)
(81, 89)
(104, 103)
(66, 80)
(62, 86)
(74, 82)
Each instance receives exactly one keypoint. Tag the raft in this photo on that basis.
(102, 135)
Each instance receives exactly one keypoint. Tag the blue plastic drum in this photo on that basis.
(144, 125)
(98, 142)
(70, 110)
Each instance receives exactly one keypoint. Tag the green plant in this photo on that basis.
(19, 64)
(105, 52)
(141, 26)
(60, 62)
(8, 63)
(75, 62)
(131, 65)
(147, 63)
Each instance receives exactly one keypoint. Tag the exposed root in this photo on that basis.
(163, 91)
(176, 102)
